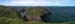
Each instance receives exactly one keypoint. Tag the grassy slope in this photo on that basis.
(9, 17)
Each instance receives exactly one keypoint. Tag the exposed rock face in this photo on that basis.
(34, 13)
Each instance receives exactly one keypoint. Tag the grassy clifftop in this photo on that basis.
(9, 16)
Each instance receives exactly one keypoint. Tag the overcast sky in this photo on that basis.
(37, 2)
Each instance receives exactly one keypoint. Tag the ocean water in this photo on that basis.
(62, 14)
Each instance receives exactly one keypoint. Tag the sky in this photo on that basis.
(37, 2)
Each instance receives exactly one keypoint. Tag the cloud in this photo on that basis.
(30, 3)
(37, 3)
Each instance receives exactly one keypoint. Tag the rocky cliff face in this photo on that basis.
(35, 12)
